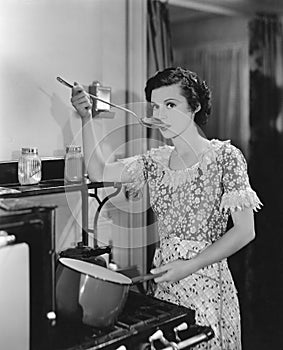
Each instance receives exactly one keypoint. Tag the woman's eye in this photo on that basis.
(170, 105)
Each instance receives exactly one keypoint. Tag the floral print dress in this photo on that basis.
(192, 208)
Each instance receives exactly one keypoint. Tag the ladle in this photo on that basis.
(147, 122)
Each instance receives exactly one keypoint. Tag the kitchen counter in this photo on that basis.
(51, 187)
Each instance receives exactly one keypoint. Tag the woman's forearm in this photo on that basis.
(232, 241)
(94, 160)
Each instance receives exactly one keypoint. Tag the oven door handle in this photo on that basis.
(6, 239)
(206, 335)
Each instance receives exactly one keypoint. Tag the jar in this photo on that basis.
(73, 172)
(29, 166)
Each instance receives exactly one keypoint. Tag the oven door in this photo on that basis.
(14, 297)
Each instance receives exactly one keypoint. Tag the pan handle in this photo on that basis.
(147, 277)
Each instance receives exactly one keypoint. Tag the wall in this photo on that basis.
(41, 39)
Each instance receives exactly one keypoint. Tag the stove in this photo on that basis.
(145, 323)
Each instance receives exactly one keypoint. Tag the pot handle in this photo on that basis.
(147, 277)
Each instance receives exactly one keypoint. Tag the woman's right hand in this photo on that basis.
(81, 101)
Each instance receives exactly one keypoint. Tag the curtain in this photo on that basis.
(225, 69)
(266, 170)
(159, 49)
(159, 57)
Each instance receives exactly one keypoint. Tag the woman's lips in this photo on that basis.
(164, 128)
(156, 122)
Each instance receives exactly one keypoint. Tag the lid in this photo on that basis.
(82, 252)
(29, 150)
(96, 271)
(73, 148)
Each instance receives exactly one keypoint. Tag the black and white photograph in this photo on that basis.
(141, 172)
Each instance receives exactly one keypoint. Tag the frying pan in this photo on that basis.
(92, 294)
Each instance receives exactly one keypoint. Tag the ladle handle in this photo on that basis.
(147, 277)
(64, 82)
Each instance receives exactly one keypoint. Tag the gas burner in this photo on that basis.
(140, 319)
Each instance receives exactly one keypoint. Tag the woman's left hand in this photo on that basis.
(175, 270)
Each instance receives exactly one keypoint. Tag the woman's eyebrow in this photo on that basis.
(154, 104)
(171, 99)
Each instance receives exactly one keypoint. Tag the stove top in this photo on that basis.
(141, 317)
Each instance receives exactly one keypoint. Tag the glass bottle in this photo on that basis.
(29, 166)
(73, 172)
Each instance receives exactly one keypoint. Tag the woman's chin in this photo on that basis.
(171, 133)
(168, 133)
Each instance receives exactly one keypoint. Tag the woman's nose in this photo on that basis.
(155, 112)
(159, 113)
(162, 116)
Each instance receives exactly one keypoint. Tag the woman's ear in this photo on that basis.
(197, 109)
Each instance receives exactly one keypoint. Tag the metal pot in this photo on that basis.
(91, 293)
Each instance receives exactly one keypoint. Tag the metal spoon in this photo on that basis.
(150, 123)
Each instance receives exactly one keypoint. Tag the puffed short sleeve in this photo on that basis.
(135, 167)
(237, 191)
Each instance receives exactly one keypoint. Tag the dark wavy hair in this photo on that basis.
(192, 87)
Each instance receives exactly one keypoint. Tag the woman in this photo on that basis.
(194, 186)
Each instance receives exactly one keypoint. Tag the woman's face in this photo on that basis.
(172, 108)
